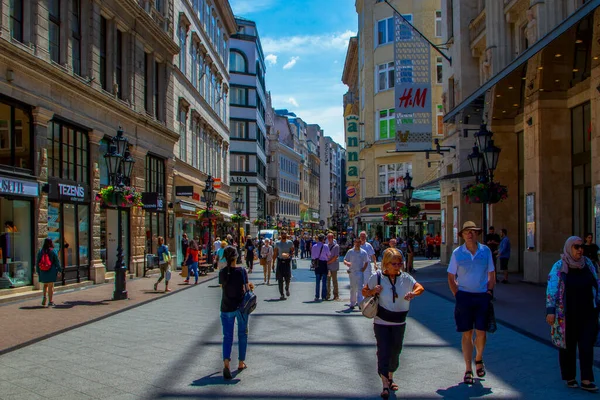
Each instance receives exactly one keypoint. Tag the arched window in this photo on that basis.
(237, 62)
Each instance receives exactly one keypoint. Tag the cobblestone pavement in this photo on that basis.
(171, 348)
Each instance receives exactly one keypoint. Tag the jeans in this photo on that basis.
(332, 277)
(356, 285)
(284, 273)
(389, 346)
(321, 278)
(227, 321)
(193, 270)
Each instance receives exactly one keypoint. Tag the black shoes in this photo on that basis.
(227, 374)
(590, 387)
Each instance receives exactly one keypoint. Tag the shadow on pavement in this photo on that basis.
(71, 304)
(277, 300)
(462, 391)
(216, 378)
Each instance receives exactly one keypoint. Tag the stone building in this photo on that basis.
(380, 168)
(248, 102)
(330, 183)
(71, 73)
(314, 133)
(529, 70)
(201, 101)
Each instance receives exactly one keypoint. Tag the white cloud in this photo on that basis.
(308, 43)
(271, 59)
(241, 7)
(293, 102)
(291, 63)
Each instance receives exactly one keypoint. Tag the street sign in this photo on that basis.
(217, 183)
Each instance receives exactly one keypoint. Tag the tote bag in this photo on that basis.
(370, 305)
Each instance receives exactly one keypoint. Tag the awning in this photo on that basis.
(431, 194)
(226, 216)
(568, 23)
(186, 206)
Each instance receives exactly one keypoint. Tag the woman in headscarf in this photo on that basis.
(572, 295)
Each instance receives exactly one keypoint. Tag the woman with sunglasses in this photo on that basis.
(395, 289)
(572, 300)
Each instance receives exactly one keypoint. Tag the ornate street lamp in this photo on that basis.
(210, 195)
(238, 203)
(477, 163)
(393, 193)
(119, 164)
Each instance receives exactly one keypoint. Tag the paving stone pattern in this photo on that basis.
(299, 349)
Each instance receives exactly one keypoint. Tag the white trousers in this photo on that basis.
(356, 285)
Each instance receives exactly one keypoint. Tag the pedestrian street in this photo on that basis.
(298, 349)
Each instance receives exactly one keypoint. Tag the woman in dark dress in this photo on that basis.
(572, 302)
(250, 248)
(233, 281)
(48, 277)
(590, 249)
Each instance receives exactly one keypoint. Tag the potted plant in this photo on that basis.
(125, 196)
(486, 193)
(209, 214)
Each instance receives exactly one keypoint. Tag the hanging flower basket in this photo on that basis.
(209, 214)
(392, 219)
(485, 193)
(239, 218)
(259, 222)
(127, 196)
(411, 211)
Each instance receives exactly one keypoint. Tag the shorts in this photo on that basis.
(504, 264)
(471, 311)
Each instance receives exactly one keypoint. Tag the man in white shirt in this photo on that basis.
(366, 246)
(471, 280)
(357, 261)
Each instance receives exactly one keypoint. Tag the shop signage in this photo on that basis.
(18, 187)
(242, 179)
(153, 201)
(352, 147)
(186, 191)
(217, 183)
(68, 191)
(196, 196)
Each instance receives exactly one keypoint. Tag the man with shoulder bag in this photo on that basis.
(333, 266)
(320, 255)
(283, 251)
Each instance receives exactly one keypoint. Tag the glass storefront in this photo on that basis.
(109, 237)
(16, 243)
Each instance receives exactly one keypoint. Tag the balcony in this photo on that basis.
(477, 28)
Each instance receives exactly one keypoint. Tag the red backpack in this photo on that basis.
(45, 263)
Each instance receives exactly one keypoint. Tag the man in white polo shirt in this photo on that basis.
(366, 246)
(471, 279)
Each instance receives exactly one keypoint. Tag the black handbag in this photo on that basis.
(491, 319)
(314, 264)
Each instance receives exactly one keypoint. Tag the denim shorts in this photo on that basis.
(471, 311)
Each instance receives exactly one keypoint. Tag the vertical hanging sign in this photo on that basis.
(413, 110)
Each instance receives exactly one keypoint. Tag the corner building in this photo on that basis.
(71, 73)
(380, 168)
(530, 71)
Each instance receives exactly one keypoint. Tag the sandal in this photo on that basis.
(227, 374)
(385, 393)
(480, 371)
(468, 378)
(243, 368)
(393, 385)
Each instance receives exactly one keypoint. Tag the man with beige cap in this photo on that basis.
(471, 279)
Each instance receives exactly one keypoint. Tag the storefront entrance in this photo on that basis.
(16, 243)
(109, 223)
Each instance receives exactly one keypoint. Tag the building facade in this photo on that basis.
(201, 100)
(530, 72)
(330, 183)
(248, 104)
(314, 133)
(380, 168)
(65, 89)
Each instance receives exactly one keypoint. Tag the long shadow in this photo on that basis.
(462, 391)
(31, 307)
(277, 300)
(215, 379)
(75, 303)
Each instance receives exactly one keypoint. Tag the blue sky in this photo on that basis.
(305, 42)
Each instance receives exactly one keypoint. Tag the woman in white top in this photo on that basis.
(395, 288)
(266, 253)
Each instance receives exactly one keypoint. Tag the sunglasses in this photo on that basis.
(578, 246)
(397, 264)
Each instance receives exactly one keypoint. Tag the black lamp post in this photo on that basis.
(483, 162)
(210, 195)
(120, 165)
(407, 192)
(238, 203)
(278, 221)
(269, 221)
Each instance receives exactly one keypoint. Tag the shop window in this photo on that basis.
(68, 152)
(16, 240)
(109, 221)
(69, 227)
(15, 138)
(155, 227)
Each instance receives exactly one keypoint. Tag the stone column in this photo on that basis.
(41, 117)
(496, 37)
(97, 267)
(40, 30)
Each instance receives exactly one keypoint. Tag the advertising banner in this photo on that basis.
(413, 110)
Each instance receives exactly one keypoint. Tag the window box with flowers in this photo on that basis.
(485, 193)
(126, 196)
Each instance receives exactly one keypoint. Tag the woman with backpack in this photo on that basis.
(164, 260)
(48, 268)
(233, 281)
